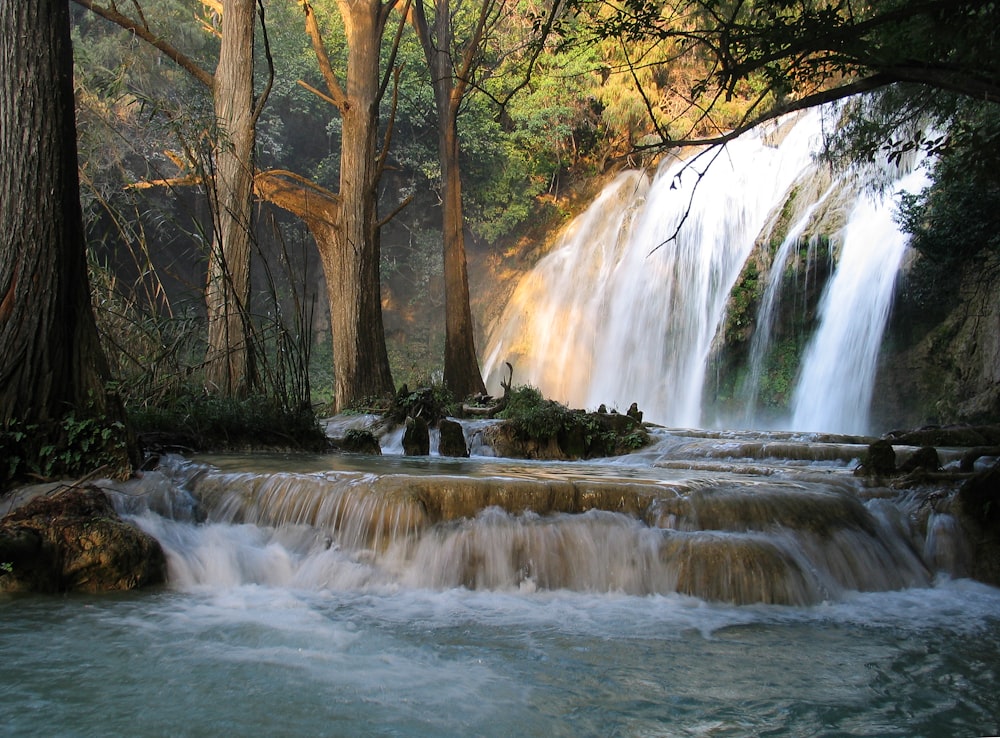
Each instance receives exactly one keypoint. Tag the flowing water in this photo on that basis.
(717, 583)
(631, 302)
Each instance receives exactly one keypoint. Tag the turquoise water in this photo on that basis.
(284, 631)
(257, 660)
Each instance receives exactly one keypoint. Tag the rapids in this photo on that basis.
(789, 534)
(347, 595)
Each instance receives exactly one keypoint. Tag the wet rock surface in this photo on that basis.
(73, 541)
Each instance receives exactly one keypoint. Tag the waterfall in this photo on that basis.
(628, 305)
(837, 376)
(765, 315)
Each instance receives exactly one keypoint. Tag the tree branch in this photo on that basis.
(336, 96)
(142, 31)
(299, 196)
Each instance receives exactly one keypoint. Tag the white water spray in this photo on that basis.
(627, 306)
(837, 377)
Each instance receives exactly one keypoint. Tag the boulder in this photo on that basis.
(977, 506)
(416, 437)
(360, 442)
(924, 458)
(74, 541)
(880, 461)
(452, 439)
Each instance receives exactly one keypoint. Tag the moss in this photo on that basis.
(204, 422)
(577, 434)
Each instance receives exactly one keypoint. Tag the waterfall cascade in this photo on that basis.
(800, 539)
(631, 303)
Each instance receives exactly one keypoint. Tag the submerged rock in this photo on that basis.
(978, 507)
(74, 541)
(924, 458)
(880, 461)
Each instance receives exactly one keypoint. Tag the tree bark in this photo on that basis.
(51, 361)
(461, 364)
(229, 365)
(350, 255)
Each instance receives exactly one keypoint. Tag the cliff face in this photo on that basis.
(941, 362)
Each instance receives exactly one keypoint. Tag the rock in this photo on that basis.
(74, 541)
(962, 436)
(452, 439)
(977, 505)
(416, 437)
(924, 458)
(360, 442)
(880, 461)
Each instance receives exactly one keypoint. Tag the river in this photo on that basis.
(287, 628)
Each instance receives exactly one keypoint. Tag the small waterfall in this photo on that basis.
(627, 306)
(717, 538)
(837, 377)
(772, 292)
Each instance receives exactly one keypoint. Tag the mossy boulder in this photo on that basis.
(536, 428)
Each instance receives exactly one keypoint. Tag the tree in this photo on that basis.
(52, 363)
(795, 54)
(455, 57)
(450, 80)
(229, 364)
(345, 224)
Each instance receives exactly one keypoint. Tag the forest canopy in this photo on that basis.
(334, 140)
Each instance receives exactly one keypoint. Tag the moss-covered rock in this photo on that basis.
(536, 428)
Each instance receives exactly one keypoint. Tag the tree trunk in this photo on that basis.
(229, 361)
(351, 257)
(51, 361)
(461, 365)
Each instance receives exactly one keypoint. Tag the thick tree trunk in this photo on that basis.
(229, 360)
(351, 258)
(461, 365)
(51, 361)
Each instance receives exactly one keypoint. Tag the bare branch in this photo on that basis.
(262, 100)
(336, 96)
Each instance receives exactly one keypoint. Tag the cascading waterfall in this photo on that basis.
(837, 377)
(717, 538)
(627, 306)
(625, 309)
(765, 315)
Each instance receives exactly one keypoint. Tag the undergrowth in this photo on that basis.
(578, 433)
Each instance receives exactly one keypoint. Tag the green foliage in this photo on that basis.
(741, 311)
(196, 420)
(578, 434)
(70, 447)
(956, 217)
(431, 402)
(532, 415)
